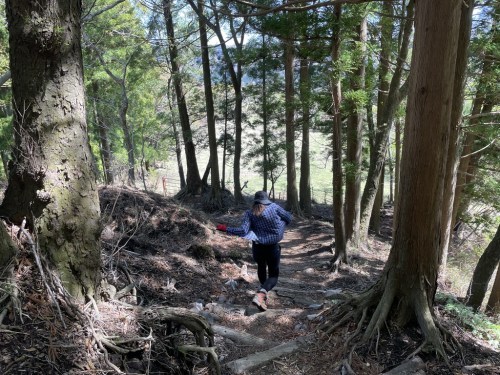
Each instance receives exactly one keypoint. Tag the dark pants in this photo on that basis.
(267, 258)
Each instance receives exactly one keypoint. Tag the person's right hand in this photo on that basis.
(222, 227)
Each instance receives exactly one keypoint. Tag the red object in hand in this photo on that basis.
(221, 227)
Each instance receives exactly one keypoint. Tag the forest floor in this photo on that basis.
(173, 257)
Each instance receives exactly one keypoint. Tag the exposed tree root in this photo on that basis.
(339, 258)
(109, 350)
(384, 301)
(200, 328)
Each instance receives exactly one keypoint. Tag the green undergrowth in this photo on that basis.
(478, 324)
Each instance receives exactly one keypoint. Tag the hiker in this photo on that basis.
(263, 224)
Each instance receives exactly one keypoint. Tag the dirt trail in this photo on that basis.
(164, 255)
(305, 287)
(181, 261)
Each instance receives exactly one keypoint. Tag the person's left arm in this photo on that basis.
(284, 214)
(243, 229)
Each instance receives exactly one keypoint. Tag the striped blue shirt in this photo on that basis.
(266, 229)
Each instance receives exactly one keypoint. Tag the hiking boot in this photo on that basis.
(260, 301)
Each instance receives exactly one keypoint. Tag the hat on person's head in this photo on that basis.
(262, 198)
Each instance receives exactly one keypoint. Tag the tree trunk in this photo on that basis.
(238, 105)
(51, 181)
(292, 199)
(397, 157)
(127, 134)
(193, 179)
(390, 167)
(377, 204)
(215, 195)
(105, 148)
(305, 163)
(378, 151)
(408, 282)
(265, 135)
(485, 268)
(482, 104)
(340, 255)
(354, 146)
(178, 147)
(410, 275)
(224, 147)
(236, 77)
(493, 304)
(456, 122)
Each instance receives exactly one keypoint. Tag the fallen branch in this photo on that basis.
(407, 367)
(241, 365)
(123, 292)
(240, 337)
(472, 368)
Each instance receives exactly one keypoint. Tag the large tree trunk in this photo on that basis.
(485, 267)
(51, 180)
(456, 122)
(193, 179)
(412, 268)
(305, 158)
(215, 196)
(384, 121)
(408, 283)
(354, 142)
(340, 255)
(292, 199)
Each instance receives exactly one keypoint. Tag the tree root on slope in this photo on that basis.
(383, 301)
(178, 318)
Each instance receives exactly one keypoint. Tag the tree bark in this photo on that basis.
(305, 158)
(265, 135)
(105, 148)
(178, 146)
(51, 180)
(483, 103)
(354, 146)
(456, 122)
(408, 282)
(377, 203)
(193, 179)
(292, 199)
(493, 304)
(378, 151)
(410, 275)
(127, 134)
(215, 195)
(340, 255)
(485, 268)
(236, 76)
(397, 157)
